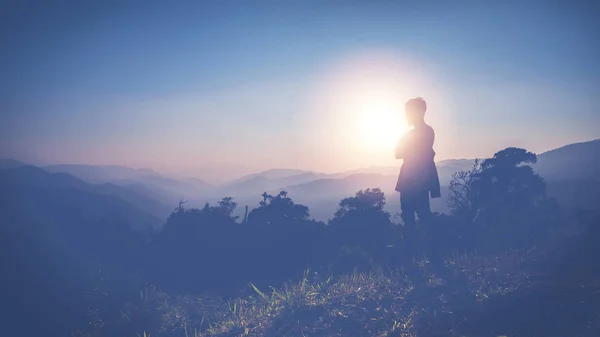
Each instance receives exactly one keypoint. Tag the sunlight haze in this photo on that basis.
(323, 94)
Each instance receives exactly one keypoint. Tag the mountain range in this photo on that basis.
(31, 194)
(155, 195)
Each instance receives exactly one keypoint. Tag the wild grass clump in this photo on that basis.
(371, 302)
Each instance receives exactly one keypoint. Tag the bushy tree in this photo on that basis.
(506, 182)
(280, 239)
(503, 197)
(361, 225)
(181, 251)
(365, 201)
(226, 206)
(278, 209)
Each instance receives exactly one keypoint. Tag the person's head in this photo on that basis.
(415, 110)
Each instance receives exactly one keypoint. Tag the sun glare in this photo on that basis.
(379, 124)
(359, 106)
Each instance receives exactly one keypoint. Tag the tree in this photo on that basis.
(503, 196)
(505, 182)
(226, 206)
(360, 225)
(279, 209)
(461, 195)
(369, 200)
(501, 182)
(190, 236)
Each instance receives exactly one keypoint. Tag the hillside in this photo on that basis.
(273, 174)
(575, 195)
(255, 184)
(56, 233)
(579, 161)
(100, 173)
(168, 190)
(31, 194)
(140, 197)
(162, 189)
(10, 164)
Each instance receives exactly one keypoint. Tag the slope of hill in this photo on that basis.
(159, 188)
(573, 161)
(327, 188)
(170, 190)
(10, 163)
(575, 195)
(140, 197)
(33, 195)
(56, 234)
(245, 187)
(272, 174)
(100, 173)
(198, 183)
(258, 183)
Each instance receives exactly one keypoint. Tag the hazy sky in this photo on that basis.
(312, 85)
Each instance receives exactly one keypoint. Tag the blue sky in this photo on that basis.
(185, 87)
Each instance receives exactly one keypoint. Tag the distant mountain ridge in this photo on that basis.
(10, 163)
(273, 174)
(22, 181)
(165, 189)
(578, 161)
(100, 173)
(267, 180)
(30, 192)
(573, 161)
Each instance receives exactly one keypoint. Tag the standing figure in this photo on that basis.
(418, 178)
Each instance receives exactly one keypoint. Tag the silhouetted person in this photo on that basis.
(417, 181)
(418, 178)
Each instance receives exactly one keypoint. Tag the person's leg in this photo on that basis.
(430, 245)
(422, 206)
(412, 236)
(412, 246)
(407, 206)
(423, 211)
(409, 231)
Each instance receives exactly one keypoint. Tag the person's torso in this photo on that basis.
(419, 147)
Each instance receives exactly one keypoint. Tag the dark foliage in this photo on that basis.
(501, 203)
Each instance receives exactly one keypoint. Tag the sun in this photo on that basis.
(356, 107)
(381, 126)
(378, 123)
